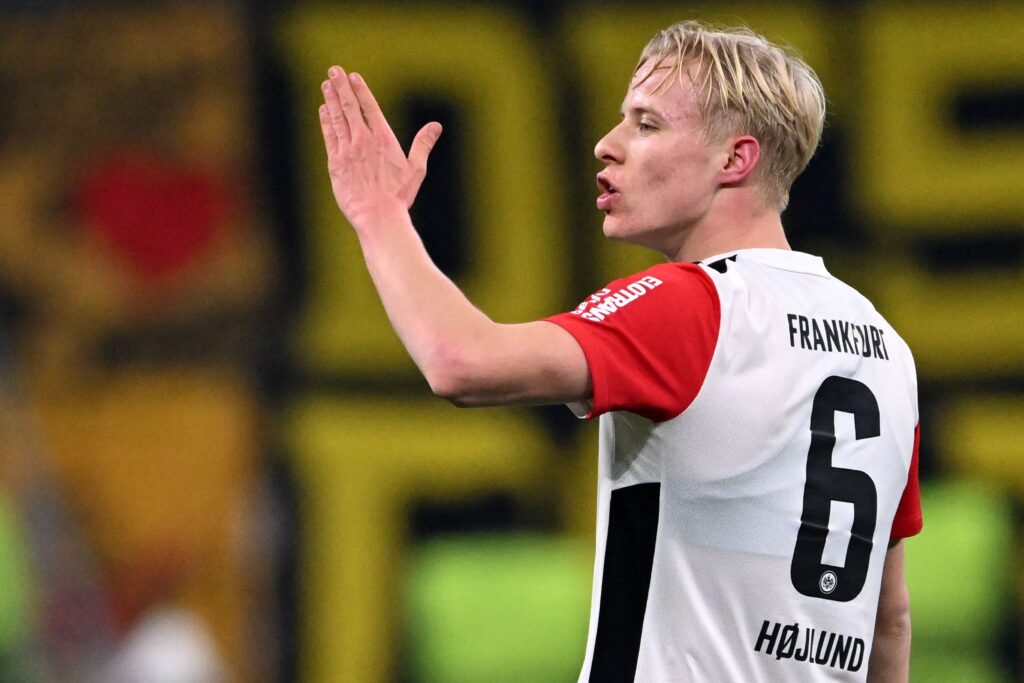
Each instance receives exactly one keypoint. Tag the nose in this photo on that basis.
(608, 150)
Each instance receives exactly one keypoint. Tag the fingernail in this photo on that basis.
(325, 86)
(354, 78)
(334, 72)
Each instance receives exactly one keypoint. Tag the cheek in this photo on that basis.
(677, 175)
(666, 181)
(657, 169)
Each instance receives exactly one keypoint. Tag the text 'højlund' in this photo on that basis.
(810, 645)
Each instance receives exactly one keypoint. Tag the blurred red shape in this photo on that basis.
(157, 216)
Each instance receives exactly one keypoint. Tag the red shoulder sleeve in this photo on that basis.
(648, 339)
(908, 520)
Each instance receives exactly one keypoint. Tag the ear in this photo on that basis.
(744, 153)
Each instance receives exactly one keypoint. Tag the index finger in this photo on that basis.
(368, 103)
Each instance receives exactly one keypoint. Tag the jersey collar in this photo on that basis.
(783, 259)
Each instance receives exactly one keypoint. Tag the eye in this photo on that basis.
(646, 128)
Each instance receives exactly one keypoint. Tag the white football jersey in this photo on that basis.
(758, 450)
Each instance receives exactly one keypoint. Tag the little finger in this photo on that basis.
(330, 137)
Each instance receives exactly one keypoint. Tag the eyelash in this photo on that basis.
(645, 128)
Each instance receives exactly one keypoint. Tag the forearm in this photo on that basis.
(464, 356)
(437, 324)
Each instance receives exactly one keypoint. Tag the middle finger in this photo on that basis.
(347, 99)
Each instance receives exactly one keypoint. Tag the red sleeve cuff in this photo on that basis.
(596, 378)
(908, 520)
(648, 340)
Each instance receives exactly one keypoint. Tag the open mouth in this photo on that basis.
(605, 185)
(609, 193)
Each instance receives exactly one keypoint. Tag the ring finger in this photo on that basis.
(337, 116)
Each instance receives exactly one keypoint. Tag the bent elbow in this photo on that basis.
(449, 388)
(450, 377)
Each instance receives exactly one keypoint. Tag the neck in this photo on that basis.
(742, 224)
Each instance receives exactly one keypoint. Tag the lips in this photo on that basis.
(609, 193)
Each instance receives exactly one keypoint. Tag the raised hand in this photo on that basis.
(370, 174)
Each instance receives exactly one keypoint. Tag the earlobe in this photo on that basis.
(744, 155)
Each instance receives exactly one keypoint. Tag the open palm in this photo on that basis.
(370, 174)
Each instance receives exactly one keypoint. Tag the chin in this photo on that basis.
(613, 229)
(619, 231)
(616, 230)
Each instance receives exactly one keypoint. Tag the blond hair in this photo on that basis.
(746, 85)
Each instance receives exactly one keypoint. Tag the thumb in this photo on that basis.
(422, 145)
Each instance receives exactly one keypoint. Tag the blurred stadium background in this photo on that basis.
(219, 465)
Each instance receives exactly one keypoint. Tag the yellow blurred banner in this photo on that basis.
(133, 243)
(487, 65)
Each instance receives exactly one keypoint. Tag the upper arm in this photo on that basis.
(890, 651)
(536, 362)
(894, 598)
(642, 344)
(648, 340)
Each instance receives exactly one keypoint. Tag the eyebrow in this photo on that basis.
(639, 111)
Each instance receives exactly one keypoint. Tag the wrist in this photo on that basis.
(380, 218)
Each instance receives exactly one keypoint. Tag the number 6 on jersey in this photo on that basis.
(825, 484)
